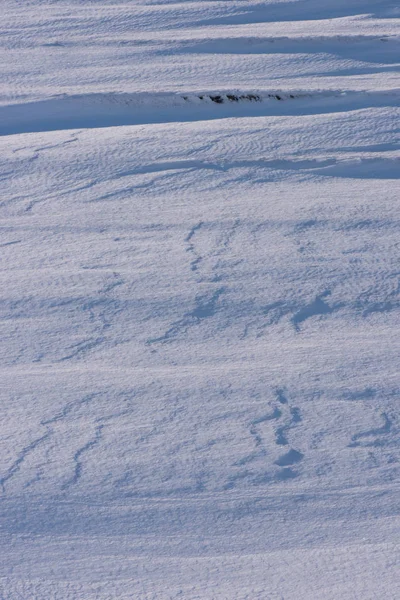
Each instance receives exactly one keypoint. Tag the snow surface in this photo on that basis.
(200, 277)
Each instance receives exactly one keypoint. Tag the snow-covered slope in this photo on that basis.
(200, 250)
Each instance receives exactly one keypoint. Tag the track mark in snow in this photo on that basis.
(280, 396)
(290, 458)
(358, 439)
(276, 414)
(117, 280)
(315, 308)
(47, 424)
(206, 306)
(285, 474)
(279, 421)
(53, 146)
(228, 238)
(78, 457)
(101, 311)
(283, 411)
(69, 408)
(191, 248)
(365, 394)
(254, 430)
(82, 348)
(292, 419)
(276, 311)
(10, 243)
(25, 452)
(215, 242)
(50, 432)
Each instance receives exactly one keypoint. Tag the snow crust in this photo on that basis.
(199, 311)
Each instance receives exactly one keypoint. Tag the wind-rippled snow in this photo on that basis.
(200, 301)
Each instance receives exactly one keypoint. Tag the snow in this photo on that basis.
(200, 300)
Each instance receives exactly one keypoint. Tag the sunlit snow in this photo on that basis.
(200, 300)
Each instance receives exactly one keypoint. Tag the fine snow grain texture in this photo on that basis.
(200, 300)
